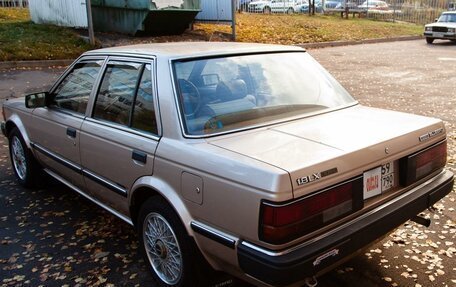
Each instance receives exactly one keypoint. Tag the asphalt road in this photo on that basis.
(53, 237)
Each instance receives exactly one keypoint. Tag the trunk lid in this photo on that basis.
(335, 146)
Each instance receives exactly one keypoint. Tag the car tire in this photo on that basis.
(171, 255)
(25, 166)
(290, 11)
(267, 10)
(429, 40)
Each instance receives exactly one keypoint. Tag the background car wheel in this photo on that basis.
(170, 253)
(25, 167)
(290, 11)
(267, 10)
(429, 40)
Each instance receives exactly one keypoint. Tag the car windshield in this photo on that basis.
(447, 18)
(223, 94)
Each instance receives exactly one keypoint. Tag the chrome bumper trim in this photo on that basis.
(102, 205)
(213, 234)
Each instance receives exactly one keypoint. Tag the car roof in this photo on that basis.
(449, 12)
(194, 49)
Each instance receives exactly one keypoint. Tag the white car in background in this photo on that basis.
(287, 6)
(259, 7)
(374, 5)
(444, 28)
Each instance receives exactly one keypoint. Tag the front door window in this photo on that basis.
(74, 91)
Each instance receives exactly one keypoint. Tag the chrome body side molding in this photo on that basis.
(107, 208)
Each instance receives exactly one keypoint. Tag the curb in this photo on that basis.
(65, 63)
(359, 42)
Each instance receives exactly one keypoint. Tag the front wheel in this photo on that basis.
(429, 40)
(290, 11)
(25, 167)
(171, 254)
(267, 10)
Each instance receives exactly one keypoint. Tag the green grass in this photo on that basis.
(20, 39)
(299, 28)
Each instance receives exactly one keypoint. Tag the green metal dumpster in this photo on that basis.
(144, 17)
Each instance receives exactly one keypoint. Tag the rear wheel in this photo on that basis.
(429, 40)
(171, 254)
(290, 11)
(267, 10)
(25, 167)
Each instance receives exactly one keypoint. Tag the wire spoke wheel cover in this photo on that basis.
(18, 158)
(162, 248)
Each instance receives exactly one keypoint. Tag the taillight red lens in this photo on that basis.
(281, 223)
(423, 163)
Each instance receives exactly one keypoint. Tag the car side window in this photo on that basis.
(117, 91)
(144, 109)
(125, 96)
(74, 91)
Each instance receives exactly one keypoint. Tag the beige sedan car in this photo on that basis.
(248, 157)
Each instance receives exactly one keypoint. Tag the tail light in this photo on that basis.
(423, 163)
(280, 223)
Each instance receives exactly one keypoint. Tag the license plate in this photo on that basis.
(387, 176)
(438, 34)
(378, 180)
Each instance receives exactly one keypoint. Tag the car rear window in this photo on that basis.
(223, 94)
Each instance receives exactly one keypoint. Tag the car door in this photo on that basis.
(119, 139)
(55, 129)
(276, 5)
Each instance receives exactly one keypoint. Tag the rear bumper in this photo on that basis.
(3, 127)
(309, 258)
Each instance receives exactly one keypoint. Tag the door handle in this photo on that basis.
(71, 132)
(139, 156)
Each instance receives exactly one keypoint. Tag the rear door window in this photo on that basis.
(117, 91)
(125, 96)
(144, 110)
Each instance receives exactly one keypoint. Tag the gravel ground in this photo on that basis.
(53, 237)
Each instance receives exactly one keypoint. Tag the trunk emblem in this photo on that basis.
(430, 134)
(315, 176)
(308, 179)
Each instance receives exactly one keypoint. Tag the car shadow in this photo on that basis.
(443, 43)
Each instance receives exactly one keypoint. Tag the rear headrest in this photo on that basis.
(232, 90)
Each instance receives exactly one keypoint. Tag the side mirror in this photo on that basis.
(436, 20)
(37, 100)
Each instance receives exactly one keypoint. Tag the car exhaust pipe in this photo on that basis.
(311, 281)
(421, 220)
